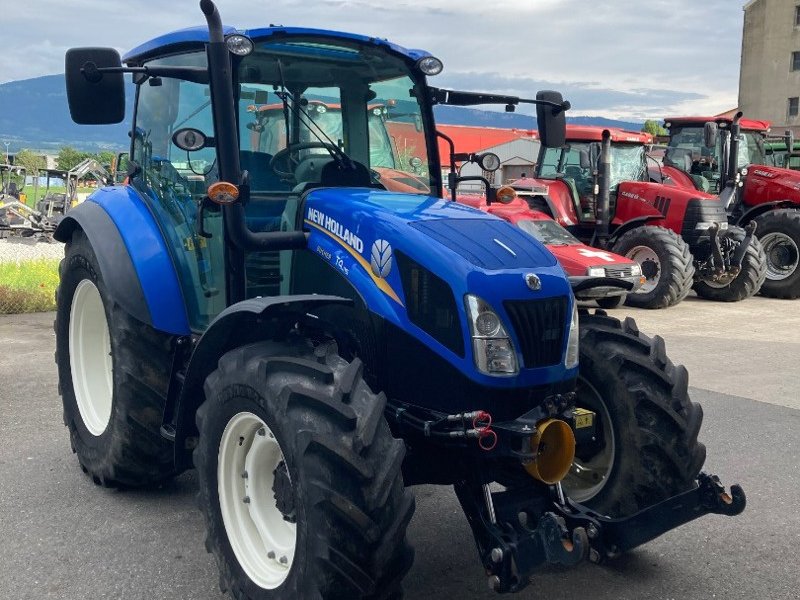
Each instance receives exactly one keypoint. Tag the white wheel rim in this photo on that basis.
(262, 540)
(782, 255)
(651, 267)
(90, 357)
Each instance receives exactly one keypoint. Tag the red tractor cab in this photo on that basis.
(576, 258)
(598, 187)
(728, 156)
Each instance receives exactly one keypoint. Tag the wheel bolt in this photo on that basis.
(283, 560)
(244, 474)
(271, 554)
(246, 499)
(262, 432)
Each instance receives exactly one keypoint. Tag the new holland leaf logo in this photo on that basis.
(381, 258)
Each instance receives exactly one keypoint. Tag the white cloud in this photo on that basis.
(637, 59)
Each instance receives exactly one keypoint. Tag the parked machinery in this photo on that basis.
(58, 203)
(598, 187)
(169, 358)
(727, 156)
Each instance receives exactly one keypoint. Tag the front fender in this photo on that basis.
(760, 209)
(133, 257)
(633, 224)
(241, 323)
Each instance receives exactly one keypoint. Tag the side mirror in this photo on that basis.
(95, 97)
(586, 161)
(552, 121)
(710, 134)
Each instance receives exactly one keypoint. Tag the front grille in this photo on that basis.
(701, 211)
(540, 326)
(619, 271)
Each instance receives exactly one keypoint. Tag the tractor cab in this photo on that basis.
(693, 157)
(575, 166)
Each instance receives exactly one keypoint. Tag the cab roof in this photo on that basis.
(196, 37)
(590, 133)
(749, 124)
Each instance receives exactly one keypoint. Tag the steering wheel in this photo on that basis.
(285, 155)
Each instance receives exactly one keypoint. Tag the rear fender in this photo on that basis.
(760, 209)
(134, 260)
(239, 324)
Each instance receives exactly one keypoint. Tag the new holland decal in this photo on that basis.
(380, 265)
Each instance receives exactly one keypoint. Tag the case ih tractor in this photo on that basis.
(390, 339)
(598, 187)
(728, 156)
(576, 258)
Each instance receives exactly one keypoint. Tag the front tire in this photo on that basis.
(646, 425)
(113, 374)
(666, 265)
(610, 302)
(747, 282)
(779, 232)
(324, 514)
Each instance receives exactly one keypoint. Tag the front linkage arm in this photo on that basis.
(512, 542)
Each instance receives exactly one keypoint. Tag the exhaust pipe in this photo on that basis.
(603, 207)
(553, 446)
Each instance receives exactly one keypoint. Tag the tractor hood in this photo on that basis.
(768, 184)
(389, 246)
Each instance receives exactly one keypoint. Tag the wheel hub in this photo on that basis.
(284, 495)
(651, 267)
(782, 255)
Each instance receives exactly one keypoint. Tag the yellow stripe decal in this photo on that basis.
(382, 284)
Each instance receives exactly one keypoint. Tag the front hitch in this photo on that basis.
(738, 255)
(518, 530)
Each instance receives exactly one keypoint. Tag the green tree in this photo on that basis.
(653, 128)
(68, 157)
(31, 161)
(106, 158)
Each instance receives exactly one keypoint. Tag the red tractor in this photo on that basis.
(727, 156)
(598, 187)
(577, 259)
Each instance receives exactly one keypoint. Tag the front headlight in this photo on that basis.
(492, 348)
(596, 272)
(704, 225)
(636, 270)
(571, 360)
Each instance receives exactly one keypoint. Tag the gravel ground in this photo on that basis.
(27, 249)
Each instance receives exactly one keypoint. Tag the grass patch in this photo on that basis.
(28, 286)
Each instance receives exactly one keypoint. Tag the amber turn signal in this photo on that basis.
(223, 193)
(505, 194)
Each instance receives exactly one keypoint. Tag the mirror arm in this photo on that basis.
(452, 177)
(94, 74)
(458, 98)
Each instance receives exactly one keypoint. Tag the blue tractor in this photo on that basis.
(314, 343)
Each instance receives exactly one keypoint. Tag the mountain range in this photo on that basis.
(34, 114)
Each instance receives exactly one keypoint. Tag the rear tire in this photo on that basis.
(666, 264)
(113, 374)
(646, 424)
(343, 485)
(747, 282)
(779, 232)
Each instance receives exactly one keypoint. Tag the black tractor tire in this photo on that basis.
(672, 275)
(129, 451)
(747, 282)
(779, 231)
(643, 411)
(350, 505)
(611, 302)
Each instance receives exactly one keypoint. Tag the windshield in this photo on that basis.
(304, 103)
(687, 150)
(570, 163)
(547, 232)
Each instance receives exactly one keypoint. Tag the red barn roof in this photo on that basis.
(474, 139)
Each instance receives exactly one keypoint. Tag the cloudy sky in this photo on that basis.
(615, 58)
